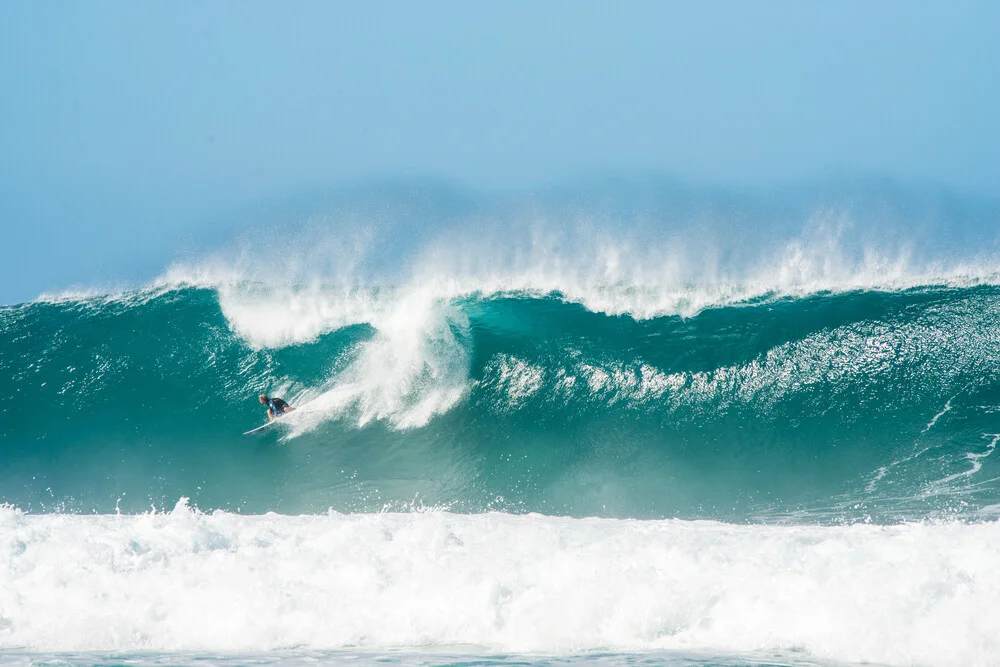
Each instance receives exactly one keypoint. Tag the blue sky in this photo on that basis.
(126, 129)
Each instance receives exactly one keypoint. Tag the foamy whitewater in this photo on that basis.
(185, 581)
(536, 437)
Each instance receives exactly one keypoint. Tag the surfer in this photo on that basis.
(275, 406)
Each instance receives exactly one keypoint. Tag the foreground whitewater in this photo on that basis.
(497, 583)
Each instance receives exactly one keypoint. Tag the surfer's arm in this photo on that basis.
(270, 414)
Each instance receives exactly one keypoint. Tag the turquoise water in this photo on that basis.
(501, 476)
(846, 406)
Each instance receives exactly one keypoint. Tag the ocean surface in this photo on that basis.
(532, 468)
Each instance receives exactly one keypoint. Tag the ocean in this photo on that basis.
(537, 467)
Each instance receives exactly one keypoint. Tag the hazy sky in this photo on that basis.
(124, 126)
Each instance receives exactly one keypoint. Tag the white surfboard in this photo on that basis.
(259, 429)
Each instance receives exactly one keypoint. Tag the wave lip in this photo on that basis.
(187, 581)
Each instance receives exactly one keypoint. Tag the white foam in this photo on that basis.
(975, 460)
(320, 282)
(285, 315)
(630, 271)
(515, 378)
(416, 366)
(620, 275)
(935, 418)
(918, 594)
(621, 382)
(847, 353)
(96, 297)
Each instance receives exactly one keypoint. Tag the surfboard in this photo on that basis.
(260, 428)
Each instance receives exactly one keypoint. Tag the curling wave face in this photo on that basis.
(835, 406)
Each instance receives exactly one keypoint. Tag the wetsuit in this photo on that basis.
(277, 406)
